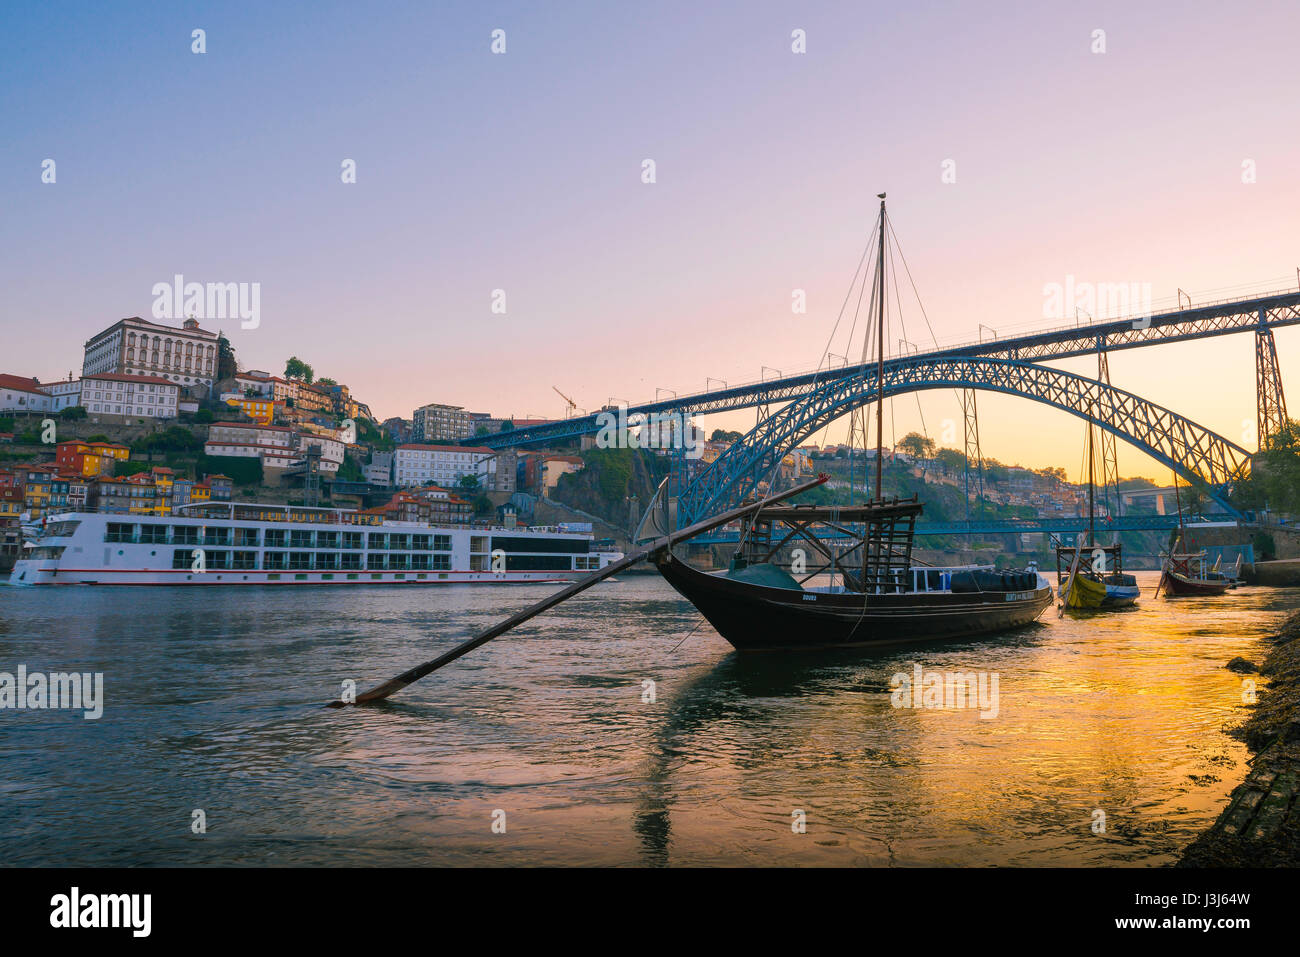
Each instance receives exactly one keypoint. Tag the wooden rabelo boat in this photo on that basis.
(1091, 576)
(855, 586)
(1183, 573)
(1185, 577)
(855, 583)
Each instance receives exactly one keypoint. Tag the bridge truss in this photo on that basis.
(1191, 450)
(1259, 314)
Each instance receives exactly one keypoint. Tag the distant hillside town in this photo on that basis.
(164, 416)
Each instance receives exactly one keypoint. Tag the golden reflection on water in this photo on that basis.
(1117, 713)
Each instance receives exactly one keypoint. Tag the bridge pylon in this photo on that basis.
(1270, 402)
(1109, 451)
(970, 415)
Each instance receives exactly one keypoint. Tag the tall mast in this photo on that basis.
(1178, 498)
(880, 351)
(1092, 531)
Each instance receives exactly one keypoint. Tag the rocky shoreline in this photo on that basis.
(1261, 825)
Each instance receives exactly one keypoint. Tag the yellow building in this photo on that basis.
(260, 409)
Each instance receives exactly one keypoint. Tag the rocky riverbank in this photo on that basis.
(1261, 825)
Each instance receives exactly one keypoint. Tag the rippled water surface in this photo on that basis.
(213, 702)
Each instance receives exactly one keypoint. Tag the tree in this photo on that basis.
(204, 416)
(721, 435)
(507, 426)
(71, 414)
(227, 367)
(350, 470)
(1274, 480)
(324, 381)
(295, 368)
(468, 483)
(951, 460)
(917, 445)
(481, 430)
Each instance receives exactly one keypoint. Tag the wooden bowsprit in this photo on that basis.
(393, 685)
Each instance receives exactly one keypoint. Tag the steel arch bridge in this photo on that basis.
(1259, 314)
(1191, 450)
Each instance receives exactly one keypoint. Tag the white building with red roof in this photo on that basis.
(444, 465)
(19, 394)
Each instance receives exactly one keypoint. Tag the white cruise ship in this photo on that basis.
(249, 544)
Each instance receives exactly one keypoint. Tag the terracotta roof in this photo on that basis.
(249, 425)
(156, 325)
(447, 448)
(19, 383)
(122, 377)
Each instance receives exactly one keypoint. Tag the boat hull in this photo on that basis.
(1180, 586)
(1083, 592)
(759, 618)
(1121, 596)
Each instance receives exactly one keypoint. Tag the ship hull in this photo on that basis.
(758, 618)
(87, 548)
(1180, 586)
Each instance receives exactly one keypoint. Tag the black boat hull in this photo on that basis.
(758, 618)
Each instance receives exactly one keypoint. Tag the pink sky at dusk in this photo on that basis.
(522, 172)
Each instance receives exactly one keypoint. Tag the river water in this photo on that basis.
(212, 714)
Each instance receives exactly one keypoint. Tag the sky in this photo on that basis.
(1014, 157)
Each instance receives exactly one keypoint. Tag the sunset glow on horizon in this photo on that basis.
(1168, 161)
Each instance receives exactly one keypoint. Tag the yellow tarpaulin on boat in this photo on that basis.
(1085, 593)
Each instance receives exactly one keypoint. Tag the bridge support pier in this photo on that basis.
(972, 427)
(1270, 402)
(1109, 451)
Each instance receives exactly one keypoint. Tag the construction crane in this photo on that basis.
(573, 406)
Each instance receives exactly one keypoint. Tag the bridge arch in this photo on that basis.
(1191, 450)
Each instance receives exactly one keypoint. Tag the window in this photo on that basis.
(275, 560)
(153, 534)
(118, 532)
(378, 540)
(185, 535)
(441, 563)
(536, 562)
(275, 538)
(351, 539)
